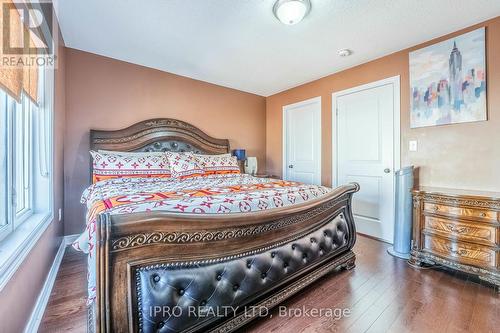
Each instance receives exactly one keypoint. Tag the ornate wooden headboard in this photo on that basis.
(161, 134)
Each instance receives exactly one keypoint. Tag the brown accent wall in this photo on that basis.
(19, 296)
(458, 156)
(103, 93)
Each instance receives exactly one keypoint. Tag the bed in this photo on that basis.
(159, 269)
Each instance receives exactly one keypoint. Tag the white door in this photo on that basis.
(302, 141)
(366, 149)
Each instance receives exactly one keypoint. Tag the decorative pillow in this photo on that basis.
(218, 164)
(117, 165)
(184, 165)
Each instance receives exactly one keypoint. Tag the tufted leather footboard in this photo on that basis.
(198, 290)
(169, 274)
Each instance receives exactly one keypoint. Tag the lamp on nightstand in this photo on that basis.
(241, 156)
(251, 165)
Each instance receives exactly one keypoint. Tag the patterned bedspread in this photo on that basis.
(215, 194)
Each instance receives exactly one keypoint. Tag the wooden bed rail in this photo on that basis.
(129, 242)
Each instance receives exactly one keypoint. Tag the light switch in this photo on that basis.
(413, 145)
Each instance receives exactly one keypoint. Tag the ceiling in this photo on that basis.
(240, 44)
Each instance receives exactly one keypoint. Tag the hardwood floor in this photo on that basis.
(67, 310)
(382, 294)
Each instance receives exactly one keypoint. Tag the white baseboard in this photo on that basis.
(69, 239)
(43, 297)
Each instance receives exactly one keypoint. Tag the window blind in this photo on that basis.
(17, 73)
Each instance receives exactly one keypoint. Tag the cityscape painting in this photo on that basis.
(448, 81)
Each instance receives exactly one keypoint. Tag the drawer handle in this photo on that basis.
(460, 252)
(482, 214)
(436, 208)
(459, 230)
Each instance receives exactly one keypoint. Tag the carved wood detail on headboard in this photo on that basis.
(161, 134)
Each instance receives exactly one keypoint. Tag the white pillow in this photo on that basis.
(118, 165)
(218, 164)
(184, 165)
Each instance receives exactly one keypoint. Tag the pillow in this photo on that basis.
(184, 165)
(218, 164)
(136, 165)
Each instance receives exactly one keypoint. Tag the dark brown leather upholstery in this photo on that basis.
(229, 281)
(171, 145)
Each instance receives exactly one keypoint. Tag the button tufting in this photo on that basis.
(319, 246)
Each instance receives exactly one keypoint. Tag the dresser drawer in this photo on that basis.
(478, 255)
(472, 232)
(461, 212)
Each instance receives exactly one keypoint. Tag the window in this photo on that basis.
(3, 161)
(22, 170)
(25, 155)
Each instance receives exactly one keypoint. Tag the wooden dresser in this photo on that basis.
(458, 229)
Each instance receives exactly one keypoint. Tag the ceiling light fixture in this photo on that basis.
(291, 11)
(344, 52)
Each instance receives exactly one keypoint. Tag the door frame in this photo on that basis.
(313, 100)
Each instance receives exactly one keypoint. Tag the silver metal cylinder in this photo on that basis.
(403, 213)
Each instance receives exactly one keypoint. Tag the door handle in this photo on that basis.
(387, 170)
(290, 166)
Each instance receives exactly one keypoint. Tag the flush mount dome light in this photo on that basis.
(344, 52)
(291, 11)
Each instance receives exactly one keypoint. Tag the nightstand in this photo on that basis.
(458, 229)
